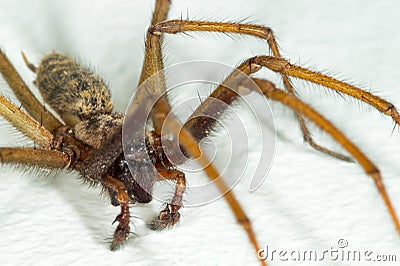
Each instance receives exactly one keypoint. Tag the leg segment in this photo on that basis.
(35, 157)
(270, 91)
(283, 66)
(308, 138)
(28, 100)
(122, 231)
(225, 93)
(25, 123)
(153, 59)
(177, 26)
(252, 65)
(170, 215)
(153, 62)
(190, 144)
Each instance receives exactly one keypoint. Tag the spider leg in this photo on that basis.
(203, 119)
(153, 59)
(228, 91)
(96, 168)
(269, 90)
(170, 215)
(283, 66)
(25, 96)
(153, 62)
(178, 26)
(24, 123)
(122, 231)
(191, 146)
(36, 157)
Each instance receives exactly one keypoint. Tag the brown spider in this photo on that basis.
(71, 153)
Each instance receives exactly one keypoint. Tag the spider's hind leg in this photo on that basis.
(307, 137)
(269, 90)
(29, 102)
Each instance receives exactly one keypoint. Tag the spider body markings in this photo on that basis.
(74, 156)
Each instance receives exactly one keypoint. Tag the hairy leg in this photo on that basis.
(200, 123)
(191, 146)
(283, 66)
(230, 90)
(170, 215)
(24, 123)
(269, 90)
(35, 157)
(153, 62)
(25, 96)
(122, 231)
(178, 26)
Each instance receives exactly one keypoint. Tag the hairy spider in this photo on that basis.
(266, 224)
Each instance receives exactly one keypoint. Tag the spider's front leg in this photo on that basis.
(153, 64)
(122, 231)
(258, 31)
(191, 146)
(98, 168)
(230, 90)
(170, 215)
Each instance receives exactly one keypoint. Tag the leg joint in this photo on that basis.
(171, 26)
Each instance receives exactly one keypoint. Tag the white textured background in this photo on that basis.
(309, 201)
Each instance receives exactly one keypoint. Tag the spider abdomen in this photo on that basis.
(73, 91)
